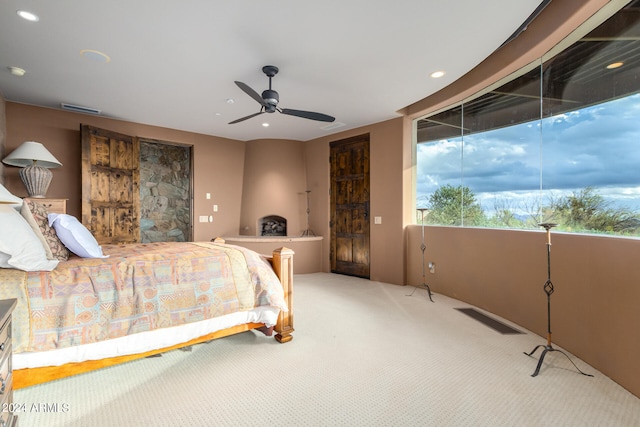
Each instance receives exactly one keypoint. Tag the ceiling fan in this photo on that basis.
(269, 101)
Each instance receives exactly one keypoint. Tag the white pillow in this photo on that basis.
(5, 195)
(75, 236)
(19, 246)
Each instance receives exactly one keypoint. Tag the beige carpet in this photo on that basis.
(363, 354)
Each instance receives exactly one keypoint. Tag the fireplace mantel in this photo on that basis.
(271, 239)
(308, 249)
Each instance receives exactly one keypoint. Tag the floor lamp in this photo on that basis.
(548, 289)
(422, 249)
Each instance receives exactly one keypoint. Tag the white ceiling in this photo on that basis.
(174, 63)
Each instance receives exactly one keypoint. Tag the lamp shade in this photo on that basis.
(31, 153)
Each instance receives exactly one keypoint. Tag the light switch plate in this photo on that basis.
(377, 220)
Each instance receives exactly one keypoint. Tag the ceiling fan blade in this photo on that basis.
(308, 115)
(245, 118)
(252, 93)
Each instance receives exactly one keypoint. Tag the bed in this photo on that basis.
(136, 300)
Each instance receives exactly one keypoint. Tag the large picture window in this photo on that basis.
(558, 143)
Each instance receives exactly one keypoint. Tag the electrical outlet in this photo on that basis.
(215, 208)
(432, 267)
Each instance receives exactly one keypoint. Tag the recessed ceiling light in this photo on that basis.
(16, 71)
(265, 125)
(95, 55)
(28, 16)
(614, 65)
(437, 74)
(230, 100)
(218, 114)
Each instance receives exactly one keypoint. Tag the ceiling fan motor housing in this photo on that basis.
(271, 100)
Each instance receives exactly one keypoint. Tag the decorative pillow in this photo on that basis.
(36, 215)
(19, 246)
(5, 195)
(75, 236)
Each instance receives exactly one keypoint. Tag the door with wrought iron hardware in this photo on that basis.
(350, 206)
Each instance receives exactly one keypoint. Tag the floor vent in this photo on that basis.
(79, 109)
(489, 321)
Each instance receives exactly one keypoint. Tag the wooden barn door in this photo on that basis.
(110, 185)
(350, 206)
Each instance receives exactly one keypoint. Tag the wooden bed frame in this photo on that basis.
(282, 262)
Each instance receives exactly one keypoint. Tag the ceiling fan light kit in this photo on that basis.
(270, 98)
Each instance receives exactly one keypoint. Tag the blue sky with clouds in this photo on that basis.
(598, 146)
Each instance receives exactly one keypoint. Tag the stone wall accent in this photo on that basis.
(165, 192)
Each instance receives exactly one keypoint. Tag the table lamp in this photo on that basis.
(35, 161)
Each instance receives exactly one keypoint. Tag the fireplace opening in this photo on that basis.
(272, 225)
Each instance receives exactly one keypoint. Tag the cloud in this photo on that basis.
(598, 146)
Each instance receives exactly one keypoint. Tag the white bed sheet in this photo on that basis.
(144, 341)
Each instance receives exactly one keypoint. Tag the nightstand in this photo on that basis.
(58, 206)
(7, 418)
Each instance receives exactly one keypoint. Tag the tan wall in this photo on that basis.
(593, 308)
(386, 187)
(218, 162)
(274, 184)
(308, 253)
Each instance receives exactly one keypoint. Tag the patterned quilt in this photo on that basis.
(140, 287)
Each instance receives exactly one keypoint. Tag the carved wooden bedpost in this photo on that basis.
(283, 266)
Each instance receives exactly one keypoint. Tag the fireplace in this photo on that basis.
(272, 225)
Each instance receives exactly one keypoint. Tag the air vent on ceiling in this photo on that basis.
(79, 109)
(332, 126)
